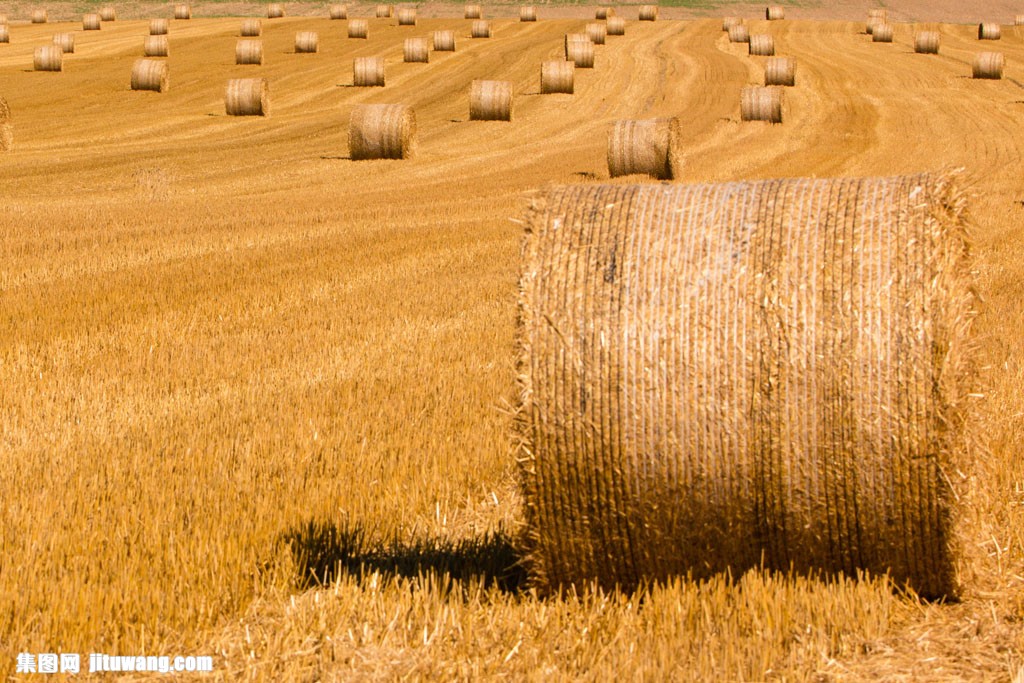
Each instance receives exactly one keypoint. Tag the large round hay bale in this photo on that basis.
(307, 42)
(766, 374)
(444, 41)
(729, 22)
(739, 33)
(988, 65)
(415, 50)
(989, 31)
(616, 26)
(249, 51)
(481, 29)
(40, 16)
(338, 12)
(368, 71)
(490, 101)
(473, 12)
(65, 41)
(108, 14)
(604, 13)
(382, 131)
(597, 33)
(6, 127)
(358, 28)
(384, 11)
(527, 13)
(580, 51)
(150, 74)
(156, 46)
(761, 45)
(183, 12)
(406, 16)
(774, 13)
(251, 28)
(647, 13)
(158, 27)
(557, 76)
(882, 33)
(761, 103)
(48, 58)
(643, 147)
(90, 22)
(780, 71)
(275, 11)
(5, 34)
(247, 97)
(926, 42)
(1018, 20)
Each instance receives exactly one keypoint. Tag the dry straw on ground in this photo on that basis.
(183, 12)
(307, 42)
(90, 22)
(774, 13)
(647, 13)
(481, 29)
(882, 33)
(490, 101)
(368, 71)
(156, 46)
(444, 41)
(39, 16)
(150, 74)
(6, 127)
(616, 26)
(66, 42)
(384, 11)
(108, 14)
(988, 65)
(927, 42)
(473, 12)
(989, 31)
(527, 13)
(382, 131)
(358, 28)
(415, 50)
(739, 33)
(48, 58)
(604, 13)
(780, 71)
(597, 33)
(557, 76)
(275, 11)
(579, 50)
(158, 27)
(338, 12)
(251, 28)
(761, 103)
(406, 16)
(643, 147)
(249, 51)
(759, 374)
(761, 45)
(247, 97)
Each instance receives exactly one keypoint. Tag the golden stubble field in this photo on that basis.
(231, 358)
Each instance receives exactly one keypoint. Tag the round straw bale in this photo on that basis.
(616, 26)
(108, 14)
(880, 14)
(643, 147)
(249, 51)
(90, 22)
(339, 12)
(597, 33)
(444, 41)
(761, 44)
(729, 22)
(739, 33)
(385, 11)
(988, 65)
(527, 13)
(490, 101)
(481, 29)
(275, 11)
(368, 71)
(648, 13)
(759, 103)
(306, 42)
(156, 46)
(39, 16)
(774, 13)
(882, 33)
(183, 12)
(6, 127)
(872, 23)
(926, 42)
(158, 27)
(604, 13)
(780, 71)
(48, 58)
(580, 52)
(989, 31)
(150, 74)
(358, 28)
(415, 50)
(5, 34)
(66, 42)
(1018, 20)
(247, 97)
(406, 16)
(751, 374)
(251, 28)
(3, 18)
(382, 131)
(473, 12)
(556, 76)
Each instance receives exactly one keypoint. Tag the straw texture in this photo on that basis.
(307, 42)
(444, 41)
(150, 74)
(6, 127)
(579, 50)
(481, 29)
(40, 16)
(761, 104)
(616, 26)
(527, 13)
(90, 22)
(249, 51)
(927, 42)
(275, 11)
(5, 34)
(490, 101)
(988, 65)
(882, 33)
(368, 71)
(247, 97)
(729, 376)
(557, 76)
(406, 16)
(739, 33)
(647, 13)
(761, 45)
(108, 14)
(1018, 20)
(158, 27)
(385, 11)
(473, 12)
(597, 33)
(156, 46)
(358, 28)
(643, 147)
(415, 50)
(251, 28)
(338, 12)
(382, 131)
(48, 58)
(989, 31)
(780, 71)
(774, 13)
(729, 22)
(65, 41)
(183, 12)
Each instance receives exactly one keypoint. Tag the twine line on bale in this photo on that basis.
(527, 13)
(444, 41)
(358, 28)
(48, 58)
(150, 74)
(338, 12)
(761, 103)
(646, 147)
(156, 46)
(926, 42)
(780, 71)
(988, 65)
(6, 127)
(490, 100)
(90, 22)
(368, 71)
(616, 26)
(66, 42)
(182, 12)
(307, 42)
(989, 31)
(557, 76)
(249, 51)
(761, 45)
(247, 97)
(382, 131)
(759, 374)
(251, 28)
(415, 50)
(158, 27)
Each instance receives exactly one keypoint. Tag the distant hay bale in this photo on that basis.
(647, 13)
(597, 33)
(729, 22)
(48, 58)
(150, 74)
(490, 101)
(358, 28)
(444, 41)
(6, 127)
(3, 18)
(926, 42)
(5, 34)
(183, 12)
(158, 27)
(643, 147)
(415, 50)
(604, 13)
(384, 11)
(715, 378)
(780, 71)
(368, 71)
(527, 13)
(481, 29)
(382, 131)
(275, 11)
(39, 16)
(989, 31)
(879, 14)
(251, 28)
(473, 12)
(307, 42)
(249, 51)
(759, 103)
(108, 14)
(406, 16)
(156, 46)
(65, 41)
(739, 33)
(247, 97)
(774, 13)
(1018, 20)
(988, 65)
(580, 52)
(761, 45)
(338, 12)
(882, 33)
(90, 22)
(616, 26)
(872, 23)
(557, 76)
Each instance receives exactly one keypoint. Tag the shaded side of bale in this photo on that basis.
(275, 11)
(557, 76)
(774, 13)
(780, 71)
(40, 16)
(739, 33)
(490, 101)
(729, 22)
(642, 147)
(473, 12)
(358, 28)
(759, 103)
(415, 50)
(307, 42)
(249, 51)
(926, 42)
(527, 13)
(444, 41)
(183, 12)
(604, 13)
(368, 71)
(384, 11)
(150, 74)
(597, 33)
(647, 13)
(760, 374)
(382, 131)
(988, 65)
(761, 45)
(108, 14)
(158, 27)
(65, 41)
(616, 26)
(247, 97)
(580, 52)
(6, 127)
(989, 31)
(48, 58)
(156, 46)
(5, 34)
(481, 29)
(90, 22)
(882, 33)
(338, 12)
(251, 28)
(406, 16)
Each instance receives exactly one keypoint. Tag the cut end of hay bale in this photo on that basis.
(490, 100)
(382, 131)
(358, 28)
(643, 147)
(557, 76)
(368, 71)
(415, 51)
(247, 97)
(150, 74)
(307, 42)
(156, 46)
(249, 51)
(647, 13)
(780, 71)
(927, 42)
(761, 104)
(988, 65)
(444, 41)
(528, 13)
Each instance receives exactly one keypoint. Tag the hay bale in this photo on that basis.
(882, 33)
(1018, 20)
(729, 22)
(6, 127)
(385, 11)
(183, 12)
(65, 41)
(358, 28)
(5, 34)
(774, 13)
(616, 26)
(557, 76)
(444, 41)
(761, 45)
(156, 46)
(108, 14)
(275, 11)
(604, 13)
(473, 12)
(3, 18)
(597, 33)
(926, 42)
(415, 50)
(580, 52)
(406, 16)
(759, 103)
(988, 65)
(90, 22)
(989, 31)
(490, 101)
(751, 374)
(879, 14)
(338, 12)
(249, 51)
(251, 28)
(648, 13)
(739, 33)
(780, 71)
(39, 16)
(247, 97)
(481, 29)
(150, 74)
(870, 27)
(368, 71)
(307, 42)
(527, 13)
(158, 27)
(48, 58)
(642, 147)
(382, 131)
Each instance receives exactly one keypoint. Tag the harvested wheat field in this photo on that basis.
(261, 401)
